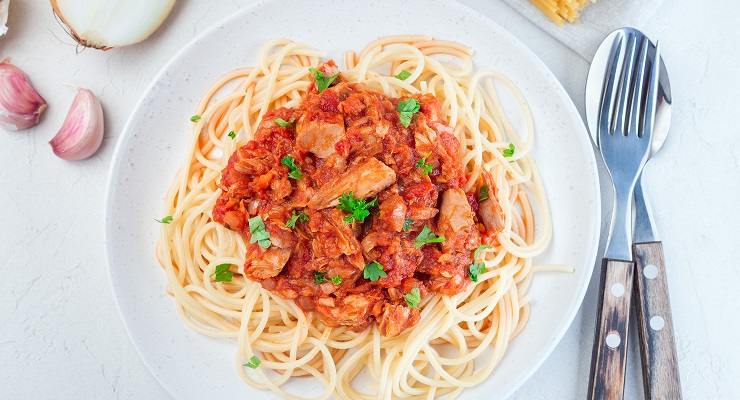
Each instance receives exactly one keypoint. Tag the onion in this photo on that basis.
(82, 130)
(104, 24)
(4, 5)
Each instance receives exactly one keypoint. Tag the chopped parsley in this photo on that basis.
(322, 81)
(319, 277)
(406, 109)
(336, 280)
(283, 123)
(258, 232)
(253, 363)
(358, 209)
(295, 171)
(301, 216)
(403, 75)
(477, 267)
(413, 298)
(222, 273)
(195, 118)
(426, 236)
(407, 224)
(423, 166)
(509, 151)
(374, 271)
(231, 134)
(483, 193)
(165, 220)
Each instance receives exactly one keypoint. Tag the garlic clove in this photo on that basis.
(104, 24)
(21, 105)
(82, 130)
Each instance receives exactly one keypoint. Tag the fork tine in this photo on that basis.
(608, 95)
(625, 87)
(651, 101)
(637, 89)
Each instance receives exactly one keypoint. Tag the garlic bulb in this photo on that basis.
(21, 105)
(104, 24)
(82, 130)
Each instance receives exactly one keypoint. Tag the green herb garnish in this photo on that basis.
(407, 225)
(295, 171)
(374, 271)
(319, 277)
(222, 273)
(322, 81)
(336, 280)
(231, 134)
(283, 123)
(253, 363)
(258, 232)
(406, 110)
(359, 209)
(165, 220)
(413, 298)
(195, 118)
(477, 267)
(301, 216)
(483, 193)
(509, 151)
(403, 75)
(426, 236)
(423, 166)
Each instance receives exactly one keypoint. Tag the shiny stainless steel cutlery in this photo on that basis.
(628, 107)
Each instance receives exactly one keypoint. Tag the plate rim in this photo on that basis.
(570, 108)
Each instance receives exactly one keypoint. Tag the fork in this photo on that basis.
(625, 128)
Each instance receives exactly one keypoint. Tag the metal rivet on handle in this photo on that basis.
(613, 340)
(650, 271)
(617, 290)
(657, 323)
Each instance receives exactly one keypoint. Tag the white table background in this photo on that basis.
(60, 333)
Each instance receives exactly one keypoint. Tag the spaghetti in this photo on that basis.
(459, 339)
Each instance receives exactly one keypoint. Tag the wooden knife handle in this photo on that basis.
(655, 325)
(606, 381)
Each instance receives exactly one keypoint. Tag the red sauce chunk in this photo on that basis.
(365, 215)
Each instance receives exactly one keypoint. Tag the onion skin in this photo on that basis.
(21, 105)
(82, 130)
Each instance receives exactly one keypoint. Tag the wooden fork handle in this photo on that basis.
(608, 360)
(655, 325)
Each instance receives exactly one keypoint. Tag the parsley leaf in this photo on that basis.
(406, 109)
(374, 271)
(336, 280)
(258, 232)
(195, 118)
(301, 216)
(426, 236)
(413, 298)
(477, 267)
(165, 220)
(359, 209)
(322, 81)
(295, 171)
(319, 277)
(222, 273)
(425, 168)
(483, 193)
(403, 75)
(509, 151)
(253, 363)
(407, 224)
(283, 123)
(232, 134)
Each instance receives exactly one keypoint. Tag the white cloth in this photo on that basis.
(597, 20)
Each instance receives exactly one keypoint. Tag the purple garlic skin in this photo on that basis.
(21, 105)
(82, 130)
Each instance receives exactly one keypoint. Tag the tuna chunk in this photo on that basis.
(320, 135)
(364, 180)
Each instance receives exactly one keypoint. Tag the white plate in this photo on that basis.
(152, 147)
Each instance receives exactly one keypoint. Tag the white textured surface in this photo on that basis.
(61, 337)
